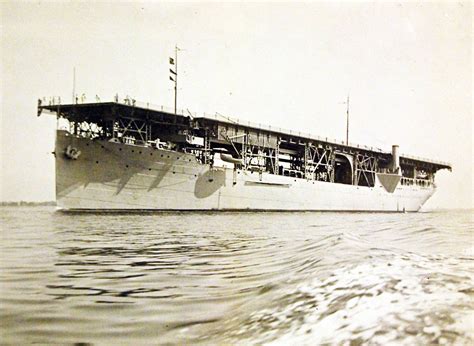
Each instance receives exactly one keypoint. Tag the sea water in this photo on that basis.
(236, 278)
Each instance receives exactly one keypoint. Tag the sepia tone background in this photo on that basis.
(407, 67)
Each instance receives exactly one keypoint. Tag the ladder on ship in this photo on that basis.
(207, 148)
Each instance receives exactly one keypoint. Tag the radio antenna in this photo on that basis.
(73, 84)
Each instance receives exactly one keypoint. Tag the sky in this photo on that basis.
(407, 67)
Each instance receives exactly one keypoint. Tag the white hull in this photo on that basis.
(115, 176)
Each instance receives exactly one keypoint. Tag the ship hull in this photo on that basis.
(116, 176)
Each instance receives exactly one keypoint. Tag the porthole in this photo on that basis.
(87, 144)
(161, 155)
(126, 166)
(120, 149)
(102, 146)
(151, 154)
(133, 151)
(149, 169)
(139, 152)
(97, 162)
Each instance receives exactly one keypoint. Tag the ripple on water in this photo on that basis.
(233, 278)
(383, 301)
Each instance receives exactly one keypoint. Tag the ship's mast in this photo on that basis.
(74, 84)
(176, 80)
(174, 77)
(347, 124)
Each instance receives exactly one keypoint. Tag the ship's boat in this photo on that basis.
(133, 156)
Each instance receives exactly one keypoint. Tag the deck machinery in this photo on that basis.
(251, 155)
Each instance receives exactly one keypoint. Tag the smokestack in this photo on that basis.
(395, 159)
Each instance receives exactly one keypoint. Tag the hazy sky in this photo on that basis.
(407, 66)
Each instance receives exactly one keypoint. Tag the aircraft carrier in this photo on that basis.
(126, 155)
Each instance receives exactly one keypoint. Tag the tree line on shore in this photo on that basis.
(27, 204)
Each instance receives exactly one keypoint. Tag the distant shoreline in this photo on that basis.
(53, 203)
(27, 204)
